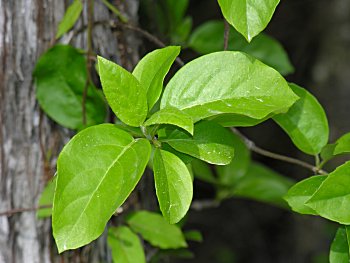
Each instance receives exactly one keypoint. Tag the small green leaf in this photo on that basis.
(125, 245)
(332, 199)
(171, 116)
(262, 184)
(305, 122)
(249, 17)
(152, 69)
(208, 38)
(173, 185)
(46, 199)
(60, 79)
(228, 82)
(97, 170)
(210, 142)
(193, 235)
(339, 252)
(301, 192)
(70, 18)
(156, 230)
(123, 92)
(341, 146)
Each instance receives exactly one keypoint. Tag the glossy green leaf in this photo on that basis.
(208, 38)
(262, 184)
(193, 235)
(203, 171)
(234, 171)
(228, 82)
(341, 146)
(332, 199)
(46, 199)
(125, 245)
(152, 69)
(210, 142)
(123, 92)
(97, 170)
(249, 17)
(305, 122)
(70, 18)
(156, 230)
(339, 252)
(171, 116)
(60, 79)
(187, 159)
(173, 185)
(301, 192)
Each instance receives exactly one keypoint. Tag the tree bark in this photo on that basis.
(29, 141)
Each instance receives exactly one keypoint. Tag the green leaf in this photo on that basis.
(332, 199)
(173, 185)
(182, 31)
(301, 192)
(97, 170)
(193, 235)
(187, 159)
(210, 142)
(339, 252)
(234, 171)
(341, 146)
(235, 120)
(249, 17)
(70, 18)
(203, 171)
(152, 69)
(208, 38)
(134, 131)
(228, 82)
(46, 199)
(305, 122)
(125, 245)
(262, 184)
(171, 116)
(60, 79)
(156, 230)
(123, 92)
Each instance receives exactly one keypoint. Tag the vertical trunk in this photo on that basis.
(27, 137)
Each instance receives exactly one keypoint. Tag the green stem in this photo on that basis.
(111, 7)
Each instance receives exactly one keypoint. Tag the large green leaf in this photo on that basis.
(156, 230)
(124, 93)
(171, 116)
(151, 71)
(46, 199)
(70, 17)
(208, 38)
(305, 122)
(339, 252)
(249, 17)
(97, 170)
(60, 78)
(125, 245)
(332, 199)
(301, 192)
(228, 82)
(341, 146)
(173, 185)
(210, 142)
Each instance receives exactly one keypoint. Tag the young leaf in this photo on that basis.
(123, 92)
(301, 192)
(332, 198)
(210, 142)
(125, 245)
(171, 116)
(249, 17)
(339, 252)
(152, 69)
(305, 122)
(207, 38)
(70, 17)
(173, 185)
(156, 230)
(228, 82)
(97, 170)
(46, 198)
(60, 79)
(341, 146)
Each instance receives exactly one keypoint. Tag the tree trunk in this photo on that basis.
(27, 137)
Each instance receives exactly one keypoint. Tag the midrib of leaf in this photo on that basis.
(102, 179)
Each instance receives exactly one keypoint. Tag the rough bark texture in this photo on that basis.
(27, 28)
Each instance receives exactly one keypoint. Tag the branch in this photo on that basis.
(251, 145)
(226, 34)
(21, 210)
(199, 205)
